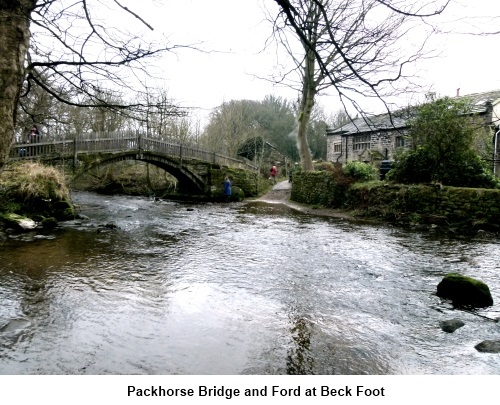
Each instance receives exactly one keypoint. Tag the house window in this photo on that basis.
(400, 142)
(337, 147)
(361, 142)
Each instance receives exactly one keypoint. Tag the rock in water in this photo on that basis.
(464, 290)
(19, 222)
(488, 346)
(451, 325)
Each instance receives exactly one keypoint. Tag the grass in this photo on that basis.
(28, 181)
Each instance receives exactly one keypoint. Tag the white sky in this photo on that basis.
(237, 29)
(233, 33)
(468, 62)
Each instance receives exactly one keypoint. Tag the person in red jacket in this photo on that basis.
(273, 172)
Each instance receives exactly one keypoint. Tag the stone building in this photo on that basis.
(367, 139)
(376, 138)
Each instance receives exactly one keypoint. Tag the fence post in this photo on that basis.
(74, 154)
(139, 145)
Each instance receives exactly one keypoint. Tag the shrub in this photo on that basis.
(412, 166)
(420, 166)
(360, 171)
(444, 139)
(324, 166)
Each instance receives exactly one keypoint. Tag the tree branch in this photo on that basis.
(135, 15)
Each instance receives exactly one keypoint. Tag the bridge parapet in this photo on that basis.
(138, 143)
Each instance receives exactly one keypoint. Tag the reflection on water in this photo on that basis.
(300, 360)
(246, 288)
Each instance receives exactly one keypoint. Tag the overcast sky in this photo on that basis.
(235, 32)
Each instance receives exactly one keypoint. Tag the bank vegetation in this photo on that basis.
(34, 191)
(351, 190)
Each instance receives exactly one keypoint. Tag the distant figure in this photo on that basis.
(272, 173)
(227, 189)
(34, 135)
(290, 172)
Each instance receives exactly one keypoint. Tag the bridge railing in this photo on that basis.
(69, 148)
(106, 144)
(31, 150)
(185, 151)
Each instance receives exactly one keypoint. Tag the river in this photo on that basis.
(240, 288)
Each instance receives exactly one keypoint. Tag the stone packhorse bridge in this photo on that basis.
(199, 172)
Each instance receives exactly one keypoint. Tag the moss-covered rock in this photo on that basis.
(49, 223)
(237, 194)
(464, 291)
(18, 222)
(63, 210)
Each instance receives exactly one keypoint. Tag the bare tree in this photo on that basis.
(352, 46)
(38, 108)
(102, 118)
(65, 48)
(230, 124)
(338, 118)
(159, 121)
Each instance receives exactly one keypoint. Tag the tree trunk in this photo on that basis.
(306, 106)
(14, 41)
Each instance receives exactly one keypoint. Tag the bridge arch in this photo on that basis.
(189, 180)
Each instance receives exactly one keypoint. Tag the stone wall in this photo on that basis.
(425, 204)
(317, 188)
(242, 179)
(331, 154)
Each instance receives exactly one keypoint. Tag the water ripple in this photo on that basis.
(236, 289)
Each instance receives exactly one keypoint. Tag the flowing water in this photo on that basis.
(247, 288)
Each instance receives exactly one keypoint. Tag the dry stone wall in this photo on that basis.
(424, 203)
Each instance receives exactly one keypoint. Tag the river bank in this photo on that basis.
(32, 195)
(453, 210)
(281, 193)
(420, 207)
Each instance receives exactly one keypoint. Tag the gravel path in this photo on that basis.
(280, 194)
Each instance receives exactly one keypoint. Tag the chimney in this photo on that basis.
(458, 92)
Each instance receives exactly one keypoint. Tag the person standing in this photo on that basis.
(227, 189)
(290, 172)
(272, 173)
(34, 135)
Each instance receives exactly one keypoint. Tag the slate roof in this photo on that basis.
(372, 124)
(480, 103)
